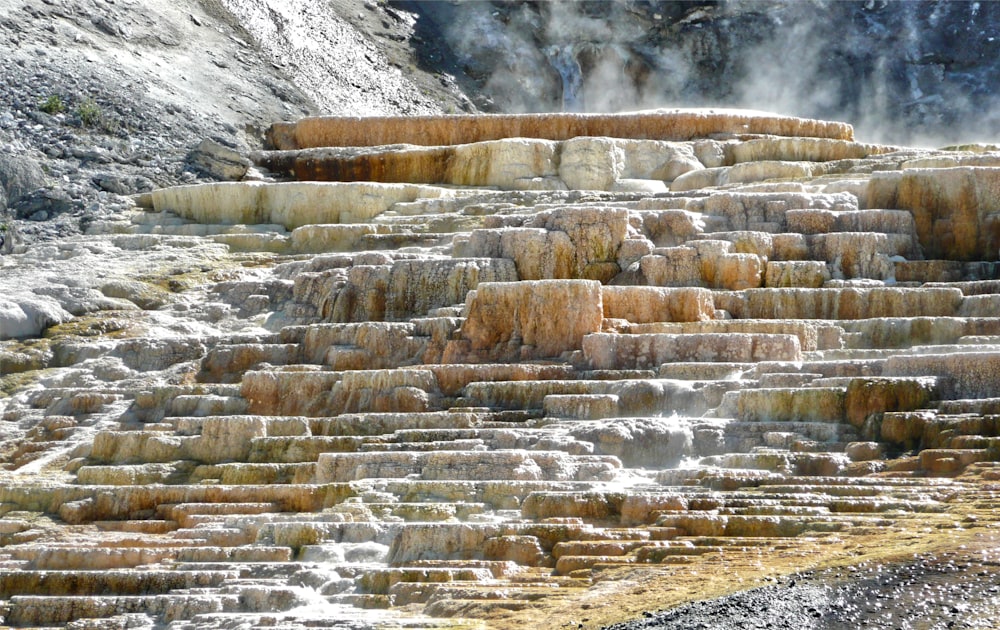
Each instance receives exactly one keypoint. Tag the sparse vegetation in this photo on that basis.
(53, 105)
(89, 112)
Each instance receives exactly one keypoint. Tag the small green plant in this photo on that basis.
(89, 112)
(52, 105)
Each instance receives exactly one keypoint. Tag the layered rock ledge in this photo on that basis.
(493, 371)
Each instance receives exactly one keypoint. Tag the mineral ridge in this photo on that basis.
(463, 370)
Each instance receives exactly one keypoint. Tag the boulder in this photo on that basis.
(218, 161)
(19, 176)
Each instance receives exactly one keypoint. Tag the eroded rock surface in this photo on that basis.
(499, 380)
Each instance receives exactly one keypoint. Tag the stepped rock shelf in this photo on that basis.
(538, 371)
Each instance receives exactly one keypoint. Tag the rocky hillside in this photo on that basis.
(103, 100)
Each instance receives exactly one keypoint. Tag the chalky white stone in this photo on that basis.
(488, 359)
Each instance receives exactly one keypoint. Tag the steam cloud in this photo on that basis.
(901, 72)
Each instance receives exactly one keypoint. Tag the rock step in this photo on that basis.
(825, 367)
(120, 582)
(699, 371)
(504, 494)
(60, 610)
(739, 434)
(572, 565)
(449, 130)
(976, 405)
(207, 405)
(425, 511)
(800, 463)
(111, 503)
(807, 332)
(242, 474)
(637, 397)
(380, 424)
(322, 239)
(379, 581)
(220, 440)
(300, 534)
(517, 541)
(679, 553)
(307, 448)
(650, 350)
(134, 474)
(597, 548)
(817, 221)
(226, 363)
(812, 404)
(151, 526)
(212, 534)
(448, 445)
(183, 512)
(904, 332)
(471, 465)
(766, 526)
(51, 558)
(852, 354)
(403, 593)
(969, 374)
(25, 610)
(288, 204)
(845, 303)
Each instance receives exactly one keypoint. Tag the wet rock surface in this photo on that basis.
(285, 402)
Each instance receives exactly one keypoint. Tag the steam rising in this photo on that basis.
(901, 72)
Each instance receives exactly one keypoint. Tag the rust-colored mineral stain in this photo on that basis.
(676, 125)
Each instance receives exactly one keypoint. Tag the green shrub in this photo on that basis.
(90, 113)
(52, 105)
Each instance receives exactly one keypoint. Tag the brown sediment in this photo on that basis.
(676, 124)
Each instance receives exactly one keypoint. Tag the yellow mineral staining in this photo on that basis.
(675, 124)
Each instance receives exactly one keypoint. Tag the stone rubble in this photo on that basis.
(455, 399)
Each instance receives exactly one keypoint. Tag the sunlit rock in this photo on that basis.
(968, 374)
(953, 208)
(643, 305)
(292, 204)
(507, 320)
(445, 130)
(638, 442)
(408, 288)
(29, 317)
(498, 362)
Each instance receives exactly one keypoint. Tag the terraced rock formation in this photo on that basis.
(539, 380)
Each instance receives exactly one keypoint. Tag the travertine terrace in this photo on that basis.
(472, 371)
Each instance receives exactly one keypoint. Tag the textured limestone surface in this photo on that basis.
(497, 372)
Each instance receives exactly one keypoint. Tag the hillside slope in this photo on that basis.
(102, 100)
